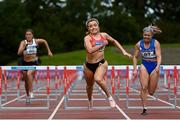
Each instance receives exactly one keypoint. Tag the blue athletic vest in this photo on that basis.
(148, 53)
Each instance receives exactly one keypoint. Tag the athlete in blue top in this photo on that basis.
(150, 51)
(28, 51)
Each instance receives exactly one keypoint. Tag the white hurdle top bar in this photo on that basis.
(78, 67)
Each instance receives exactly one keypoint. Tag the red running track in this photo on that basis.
(57, 111)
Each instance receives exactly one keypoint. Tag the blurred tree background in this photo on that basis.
(62, 22)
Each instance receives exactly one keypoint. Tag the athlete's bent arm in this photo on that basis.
(135, 56)
(90, 49)
(42, 41)
(21, 48)
(158, 54)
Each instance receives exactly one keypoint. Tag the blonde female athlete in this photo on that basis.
(96, 66)
(28, 51)
(150, 51)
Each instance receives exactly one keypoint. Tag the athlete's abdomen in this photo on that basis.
(95, 57)
(29, 58)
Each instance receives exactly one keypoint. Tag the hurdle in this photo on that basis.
(175, 80)
(167, 106)
(68, 89)
(18, 68)
(5, 90)
(57, 87)
(119, 82)
(0, 87)
(14, 75)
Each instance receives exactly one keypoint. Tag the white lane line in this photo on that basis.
(159, 99)
(124, 114)
(13, 100)
(17, 98)
(120, 110)
(56, 109)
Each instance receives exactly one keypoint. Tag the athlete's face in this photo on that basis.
(147, 36)
(29, 36)
(93, 27)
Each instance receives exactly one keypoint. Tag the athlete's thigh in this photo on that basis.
(89, 76)
(100, 71)
(24, 72)
(144, 77)
(30, 72)
(153, 81)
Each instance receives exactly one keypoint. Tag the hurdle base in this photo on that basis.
(152, 107)
(86, 108)
(37, 99)
(24, 108)
(85, 99)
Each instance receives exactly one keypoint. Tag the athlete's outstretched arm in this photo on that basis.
(118, 45)
(42, 41)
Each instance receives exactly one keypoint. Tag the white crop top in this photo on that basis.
(30, 48)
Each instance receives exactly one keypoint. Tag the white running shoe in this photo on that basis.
(90, 107)
(112, 102)
(28, 100)
(31, 95)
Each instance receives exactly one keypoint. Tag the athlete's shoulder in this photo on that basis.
(24, 41)
(139, 42)
(156, 42)
(137, 45)
(104, 34)
(37, 40)
(87, 38)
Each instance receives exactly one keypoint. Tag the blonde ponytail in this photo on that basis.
(153, 29)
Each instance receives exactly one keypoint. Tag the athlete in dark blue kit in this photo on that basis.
(150, 51)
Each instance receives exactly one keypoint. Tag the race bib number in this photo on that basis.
(100, 43)
(31, 50)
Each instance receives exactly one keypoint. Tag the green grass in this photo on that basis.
(112, 55)
(78, 58)
(69, 58)
(171, 45)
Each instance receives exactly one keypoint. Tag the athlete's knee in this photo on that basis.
(99, 81)
(96, 78)
(29, 74)
(89, 87)
(151, 93)
(144, 88)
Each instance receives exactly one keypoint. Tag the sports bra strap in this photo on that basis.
(102, 37)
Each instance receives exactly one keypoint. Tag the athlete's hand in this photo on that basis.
(134, 74)
(50, 53)
(127, 54)
(157, 68)
(105, 43)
